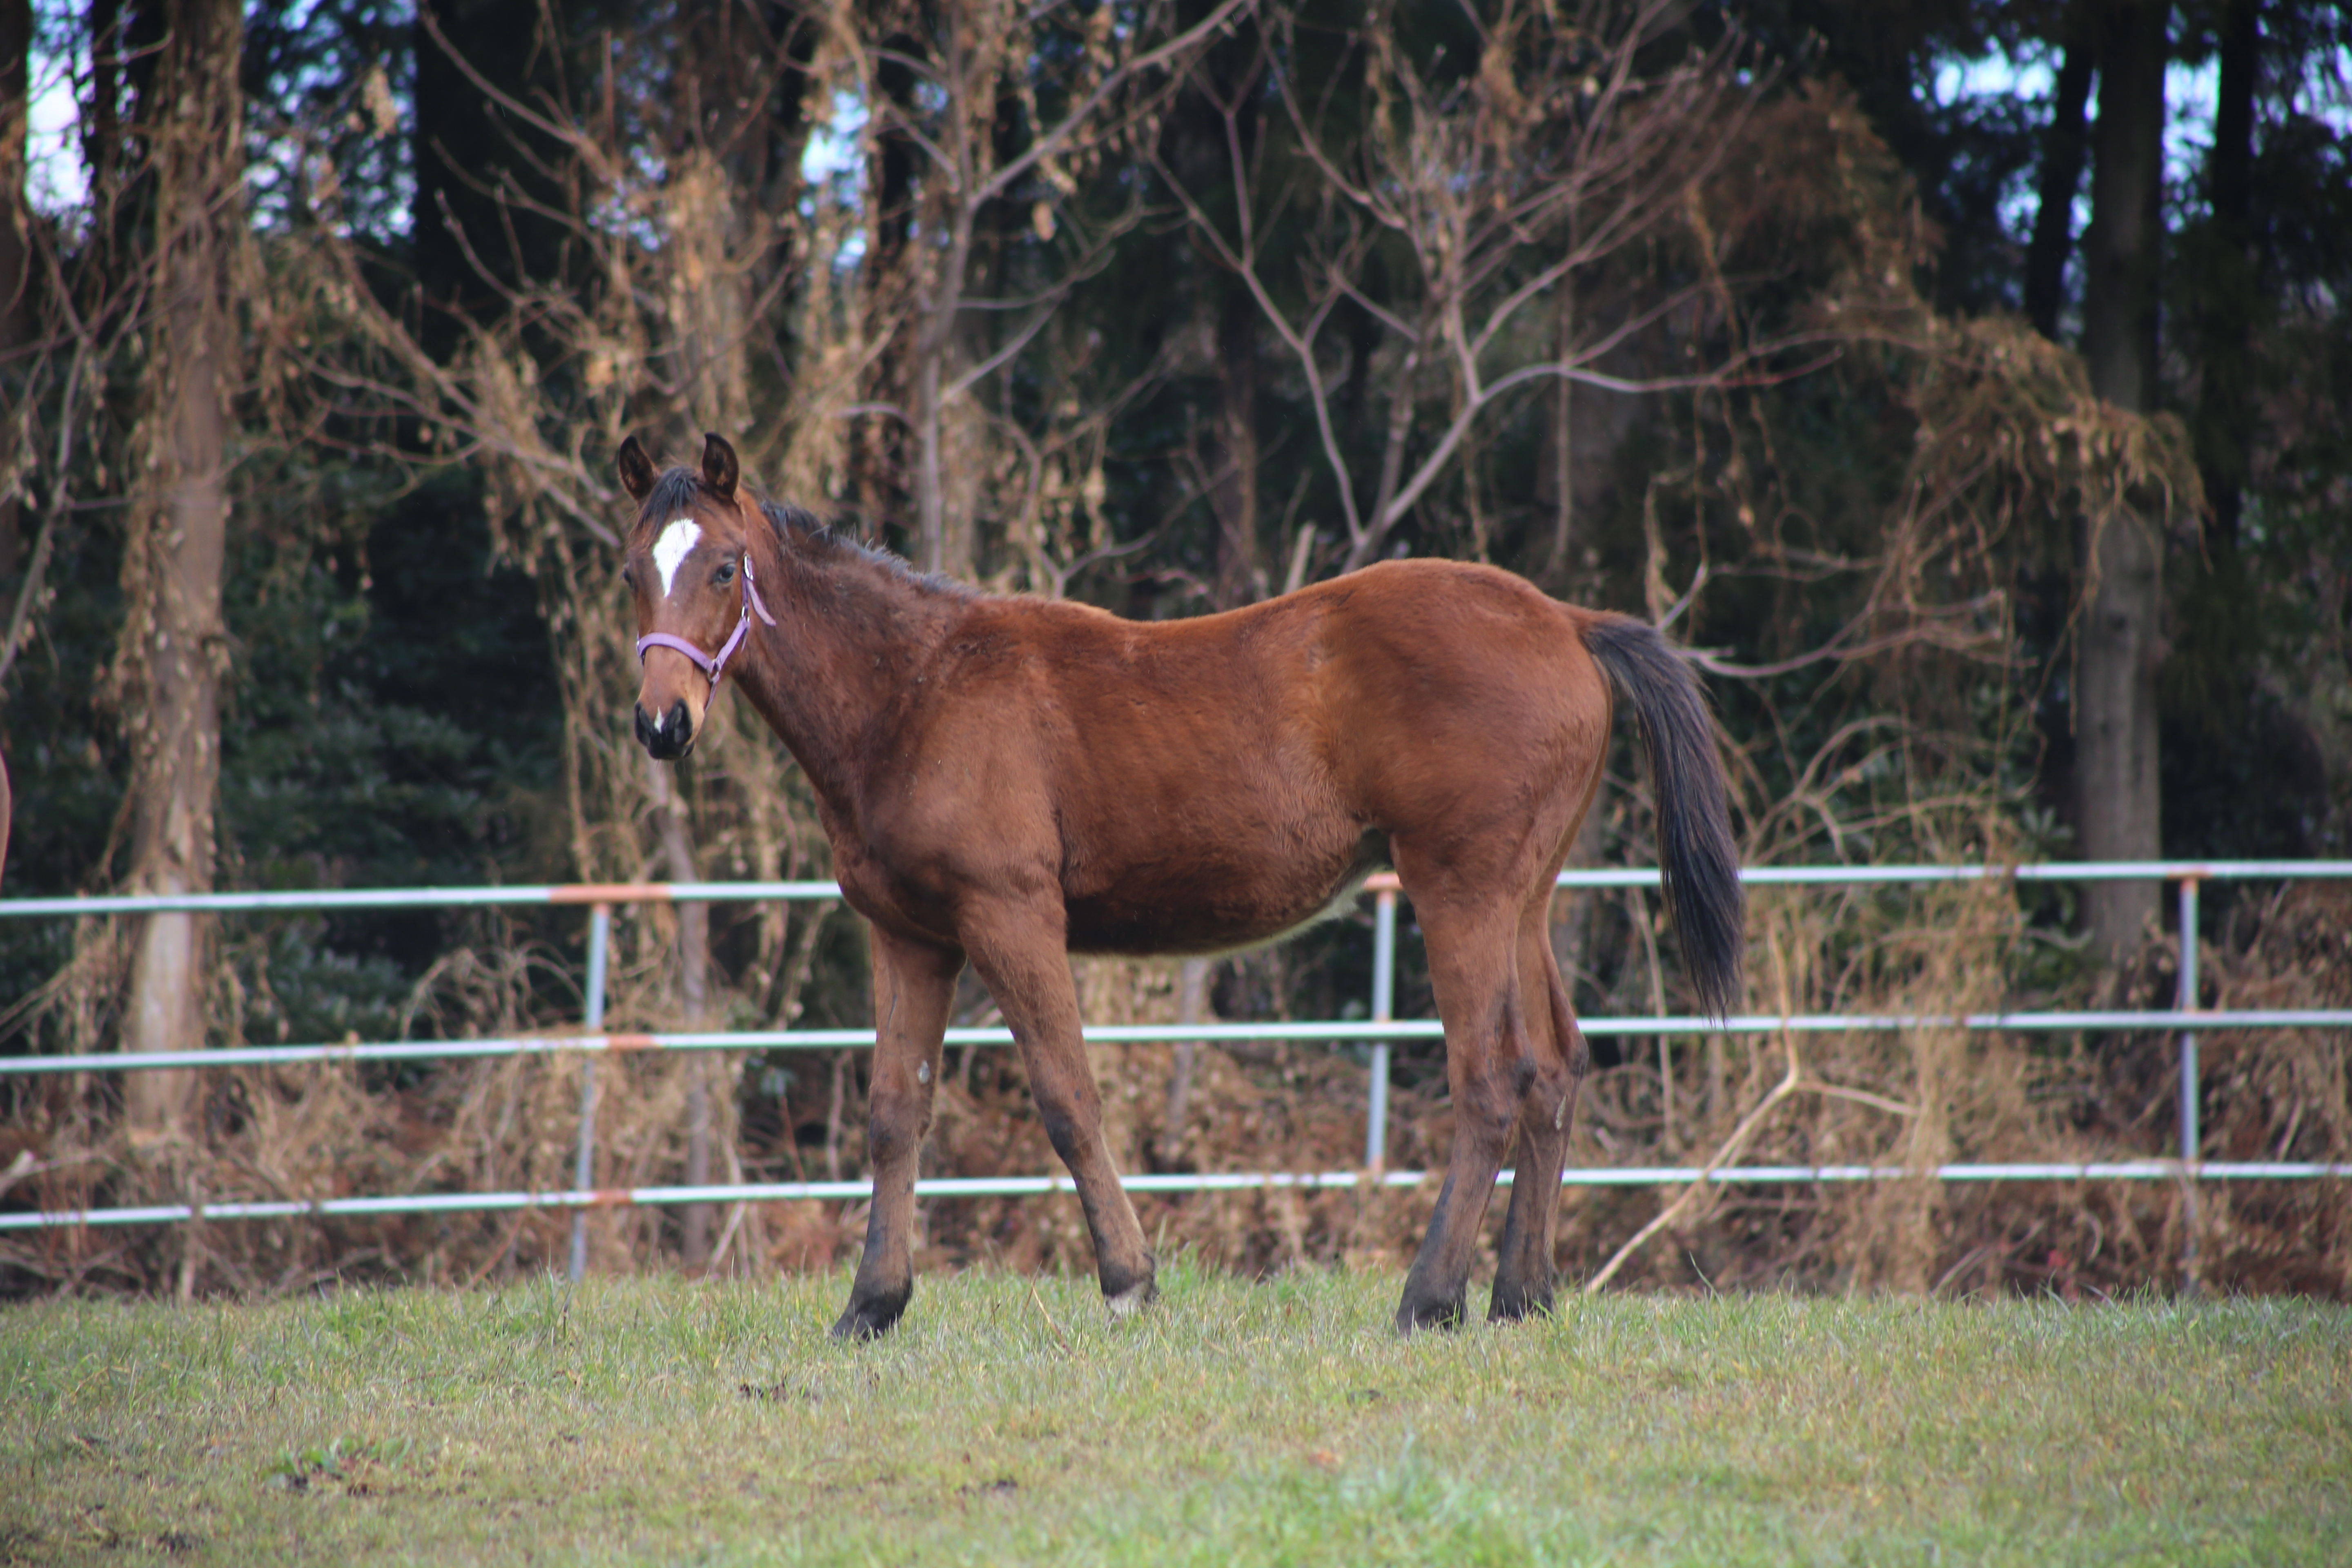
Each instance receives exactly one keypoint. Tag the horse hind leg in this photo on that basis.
(1473, 969)
(1024, 963)
(1549, 1080)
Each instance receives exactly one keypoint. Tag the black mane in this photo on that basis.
(678, 489)
(830, 539)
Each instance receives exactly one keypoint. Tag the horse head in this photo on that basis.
(688, 564)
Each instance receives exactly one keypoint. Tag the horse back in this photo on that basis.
(1215, 782)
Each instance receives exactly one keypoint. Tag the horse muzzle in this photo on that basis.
(668, 738)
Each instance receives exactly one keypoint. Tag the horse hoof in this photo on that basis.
(870, 1319)
(1131, 1301)
(1414, 1316)
(857, 1326)
(1511, 1306)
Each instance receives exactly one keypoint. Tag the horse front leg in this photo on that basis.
(914, 988)
(1022, 957)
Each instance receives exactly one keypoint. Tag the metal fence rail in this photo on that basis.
(1379, 1032)
(1207, 1182)
(574, 894)
(1351, 1032)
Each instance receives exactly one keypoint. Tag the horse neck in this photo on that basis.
(849, 629)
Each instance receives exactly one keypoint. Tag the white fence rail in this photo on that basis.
(1380, 1032)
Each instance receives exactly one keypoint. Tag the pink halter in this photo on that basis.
(712, 669)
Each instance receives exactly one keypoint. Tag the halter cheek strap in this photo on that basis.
(713, 666)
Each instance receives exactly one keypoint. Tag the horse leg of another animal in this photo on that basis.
(914, 987)
(1523, 1270)
(1472, 964)
(1025, 963)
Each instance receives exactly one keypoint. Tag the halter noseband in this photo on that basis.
(713, 668)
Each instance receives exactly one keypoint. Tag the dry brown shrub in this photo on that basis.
(509, 1123)
(1997, 1098)
(2280, 1094)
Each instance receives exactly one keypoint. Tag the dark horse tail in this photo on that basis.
(1696, 854)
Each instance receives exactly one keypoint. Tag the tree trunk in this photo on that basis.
(2231, 291)
(483, 174)
(738, 135)
(709, 221)
(2127, 234)
(2120, 643)
(1192, 1007)
(740, 132)
(173, 647)
(102, 134)
(942, 543)
(1564, 437)
(1234, 461)
(878, 441)
(694, 999)
(15, 255)
(969, 54)
(2064, 147)
(797, 30)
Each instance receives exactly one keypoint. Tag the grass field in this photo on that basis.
(1275, 1422)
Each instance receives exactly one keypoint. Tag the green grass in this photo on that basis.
(1010, 1421)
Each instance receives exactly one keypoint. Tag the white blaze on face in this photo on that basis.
(670, 550)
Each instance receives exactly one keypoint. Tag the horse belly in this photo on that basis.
(1219, 903)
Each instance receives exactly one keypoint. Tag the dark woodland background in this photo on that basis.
(1967, 382)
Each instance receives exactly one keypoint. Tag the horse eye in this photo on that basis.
(725, 574)
(629, 575)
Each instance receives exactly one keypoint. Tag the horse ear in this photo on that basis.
(637, 470)
(718, 467)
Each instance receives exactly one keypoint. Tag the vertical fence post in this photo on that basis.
(1376, 1113)
(584, 1173)
(2191, 1139)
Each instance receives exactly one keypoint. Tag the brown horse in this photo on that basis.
(1008, 781)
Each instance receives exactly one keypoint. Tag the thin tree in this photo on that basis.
(2066, 147)
(2120, 640)
(989, 133)
(16, 259)
(15, 315)
(1477, 200)
(2227, 410)
(172, 650)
